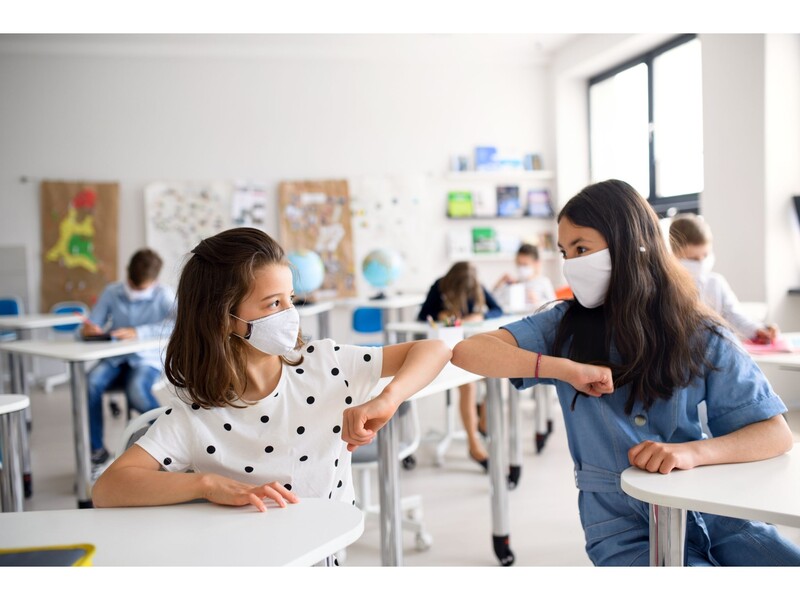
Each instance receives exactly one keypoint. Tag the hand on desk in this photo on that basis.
(660, 457)
(124, 333)
(361, 423)
(766, 335)
(90, 329)
(222, 490)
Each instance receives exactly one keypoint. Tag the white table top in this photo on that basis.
(397, 301)
(36, 321)
(767, 490)
(308, 310)
(13, 402)
(75, 350)
(201, 534)
(783, 359)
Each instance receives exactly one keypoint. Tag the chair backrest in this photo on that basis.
(367, 320)
(66, 308)
(137, 427)
(11, 305)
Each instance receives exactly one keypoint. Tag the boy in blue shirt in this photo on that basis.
(138, 308)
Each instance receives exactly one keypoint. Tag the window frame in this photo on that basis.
(663, 205)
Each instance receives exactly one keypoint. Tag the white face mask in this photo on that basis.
(525, 273)
(589, 277)
(698, 268)
(274, 334)
(137, 295)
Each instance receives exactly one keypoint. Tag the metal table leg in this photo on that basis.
(498, 489)
(389, 496)
(514, 438)
(667, 536)
(12, 426)
(19, 385)
(80, 425)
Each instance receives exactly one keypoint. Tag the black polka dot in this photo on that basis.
(168, 411)
(310, 349)
(338, 485)
(329, 495)
(276, 395)
(248, 469)
(168, 461)
(336, 348)
(264, 419)
(354, 502)
(336, 463)
(337, 429)
(195, 406)
(227, 426)
(288, 486)
(367, 357)
(334, 371)
(211, 449)
(310, 400)
(299, 371)
(301, 430)
(268, 449)
(347, 383)
(303, 458)
(348, 400)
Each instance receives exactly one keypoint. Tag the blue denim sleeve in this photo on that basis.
(737, 392)
(536, 333)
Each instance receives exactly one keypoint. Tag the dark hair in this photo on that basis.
(203, 357)
(688, 230)
(529, 250)
(460, 285)
(652, 311)
(144, 266)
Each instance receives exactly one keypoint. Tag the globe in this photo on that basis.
(308, 271)
(382, 267)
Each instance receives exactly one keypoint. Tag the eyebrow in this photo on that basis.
(573, 242)
(265, 298)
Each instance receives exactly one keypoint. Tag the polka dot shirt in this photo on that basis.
(292, 436)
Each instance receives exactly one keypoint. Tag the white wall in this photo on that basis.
(289, 107)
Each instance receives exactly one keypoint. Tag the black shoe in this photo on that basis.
(99, 456)
(484, 463)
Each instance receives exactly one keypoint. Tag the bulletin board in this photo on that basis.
(79, 240)
(315, 215)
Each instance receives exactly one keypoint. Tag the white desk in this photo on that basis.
(193, 535)
(77, 354)
(322, 311)
(767, 490)
(391, 307)
(389, 466)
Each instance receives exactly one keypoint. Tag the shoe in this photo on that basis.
(99, 456)
(484, 463)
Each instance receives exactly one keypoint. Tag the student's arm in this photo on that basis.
(432, 305)
(413, 365)
(493, 309)
(732, 310)
(756, 441)
(98, 316)
(496, 354)
(162, 328)
(134, 479)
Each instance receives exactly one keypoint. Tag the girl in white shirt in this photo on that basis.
(261, 416)
(690, 239)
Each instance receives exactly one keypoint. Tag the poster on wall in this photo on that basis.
(315, 216)
(79, 240)
(178, 215)
(249, 204)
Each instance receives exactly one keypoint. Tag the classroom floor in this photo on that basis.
(544, 525)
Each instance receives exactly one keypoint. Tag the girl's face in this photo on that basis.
(696, 252)
(574, 241)
(272, 291)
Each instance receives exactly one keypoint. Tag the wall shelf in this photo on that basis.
(497, 256)
(497, 176)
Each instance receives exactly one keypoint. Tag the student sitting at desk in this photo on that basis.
(632, 358)
(537, 287)
(264, 415)
(460, 297)
(690, 239)
(139, 308)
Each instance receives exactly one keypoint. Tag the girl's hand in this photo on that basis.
(229, 492)
(361, 423)
(124, 333)
(592, 380)
(767, 334)
(660, 457)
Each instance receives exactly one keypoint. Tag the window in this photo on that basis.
(646, 125)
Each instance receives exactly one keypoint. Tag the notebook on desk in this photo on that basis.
(100, 337)
(782, 344)
(74, 555)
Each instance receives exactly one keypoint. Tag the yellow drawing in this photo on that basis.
(75, 245)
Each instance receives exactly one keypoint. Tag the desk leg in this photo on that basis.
(514, 438)
(498, 488)
(389, 496)
(667, 536)
(80, 425)
(19, 385)
(12, 428)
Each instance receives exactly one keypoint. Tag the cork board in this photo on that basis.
(79, 240)
(315, 215)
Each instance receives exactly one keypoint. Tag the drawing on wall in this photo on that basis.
(179, 215)
(249, 204)
(315, 215)
(79, 240)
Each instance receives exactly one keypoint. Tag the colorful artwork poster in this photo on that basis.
(179, 215)
(249, 204)
(315, 216)
(79, 240)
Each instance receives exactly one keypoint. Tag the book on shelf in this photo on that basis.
(459, 204)
(539, 204)
(484, 239)
(484, 205)
(508, 202)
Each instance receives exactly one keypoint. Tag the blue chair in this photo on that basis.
(10, 306)
(368, 320)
